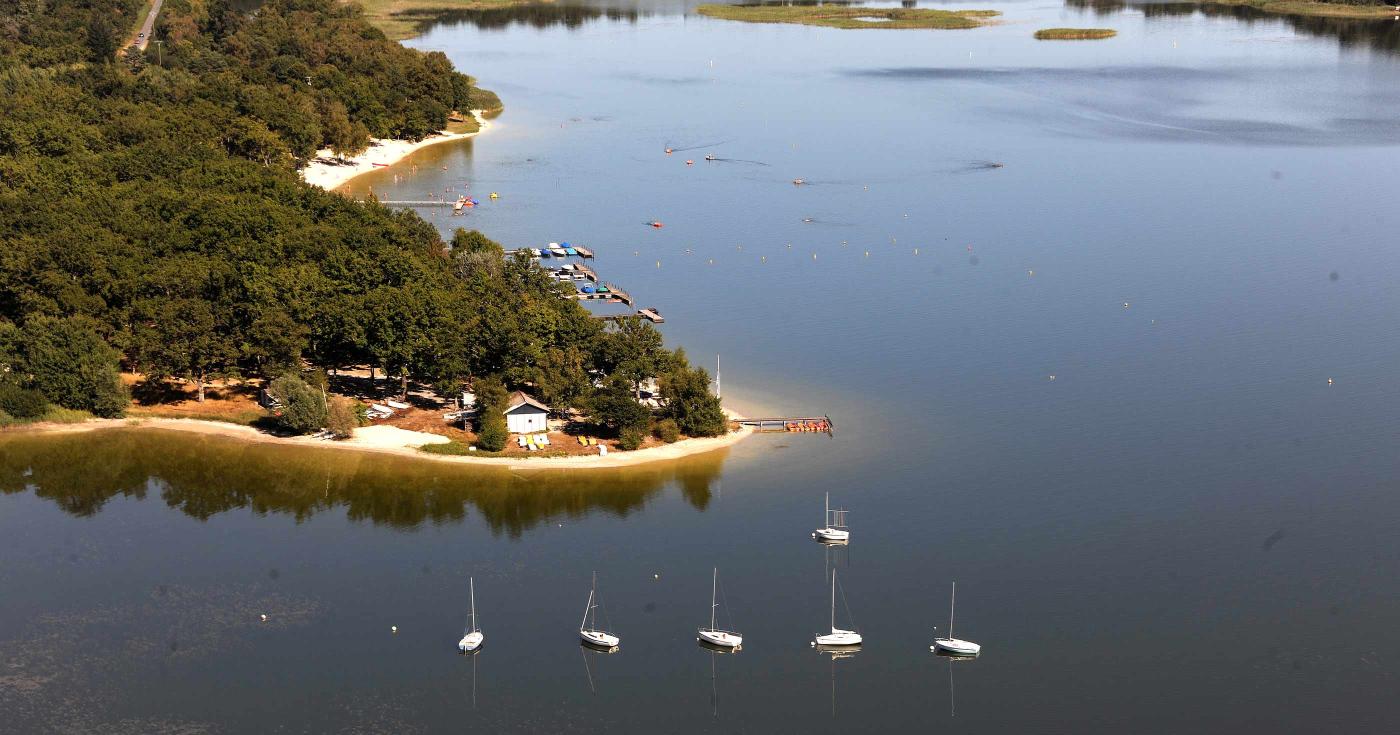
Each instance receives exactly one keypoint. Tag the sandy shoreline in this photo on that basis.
(402, 443)
(323, 172)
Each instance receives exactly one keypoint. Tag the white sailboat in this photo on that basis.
(950, 644)
(588, 630)
(473, 638)
(713, 635)
(837, 637)
(835, 528)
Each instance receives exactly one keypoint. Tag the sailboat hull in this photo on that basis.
(840, 638)
(599, 638)
(831, 534)
(956, 646)
(720, 638)
(470, 642)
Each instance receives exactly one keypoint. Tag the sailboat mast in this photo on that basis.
(952, 602)
(473, 585)
(714, 587)
(583, 624)
(826, 511)
(833, 600)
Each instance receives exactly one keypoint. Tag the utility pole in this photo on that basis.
(159, 56)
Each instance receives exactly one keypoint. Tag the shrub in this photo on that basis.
(493, 434)
(303, 407)
(629, 440)
(340, 417)
(666, 430)
(22, 403)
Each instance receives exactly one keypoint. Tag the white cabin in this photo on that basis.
(525, 415)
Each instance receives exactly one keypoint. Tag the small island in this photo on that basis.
(833, 16)
(1074, 34)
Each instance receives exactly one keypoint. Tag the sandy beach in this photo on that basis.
(328, 173)
(404, 443)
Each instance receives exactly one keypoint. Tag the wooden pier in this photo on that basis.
(649, 314)
(781, 423)
(423, 203)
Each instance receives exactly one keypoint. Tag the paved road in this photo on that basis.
(147, 26)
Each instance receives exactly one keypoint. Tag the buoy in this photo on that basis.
(656, 576)
(1329, 381)
(916, 251)
(1125, 304)
(1052, 377)
(1030, 272)
(658, 264)
(264, 617)
(393, 629)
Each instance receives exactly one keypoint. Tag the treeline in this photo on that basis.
(152, 217)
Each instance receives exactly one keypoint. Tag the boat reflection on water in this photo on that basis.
(203, 476)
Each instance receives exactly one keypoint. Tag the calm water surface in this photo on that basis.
(1090, 385)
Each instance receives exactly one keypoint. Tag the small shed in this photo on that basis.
(525, 415)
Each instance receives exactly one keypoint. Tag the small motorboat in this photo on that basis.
(494, 195)
(951, 645)
(656, 224)
(709, 157)
(689, 162)
(798, 182)
(669, 151)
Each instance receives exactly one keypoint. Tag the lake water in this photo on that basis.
(1134, 390)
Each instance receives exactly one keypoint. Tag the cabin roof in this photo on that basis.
(519, 400)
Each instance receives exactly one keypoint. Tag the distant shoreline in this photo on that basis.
(383, 152)
(667, 452)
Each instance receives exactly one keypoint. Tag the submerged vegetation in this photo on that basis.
(839, 16)
(1074, 34)
(153, 218)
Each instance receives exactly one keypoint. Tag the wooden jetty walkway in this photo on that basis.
(783, 423)
(650, 314)
(419, 203)
(612, 294)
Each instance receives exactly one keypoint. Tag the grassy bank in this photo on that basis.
(831, 16)
(1074, 34)
(1308, 7)
(400, 19)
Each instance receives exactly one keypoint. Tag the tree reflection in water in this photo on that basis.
(1380, 35)
(202, 476)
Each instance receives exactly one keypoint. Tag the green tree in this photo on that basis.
(466, 241)
(686, 398)
(72, 365)
(181, 338)
(494, 432)
(633, 350)
(303, 407)
(615, 406)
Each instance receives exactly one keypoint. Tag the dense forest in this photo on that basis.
(152, 218)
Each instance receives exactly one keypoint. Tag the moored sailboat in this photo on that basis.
(588, 630)
(473, 638)
(838, 637)
(715, 636)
